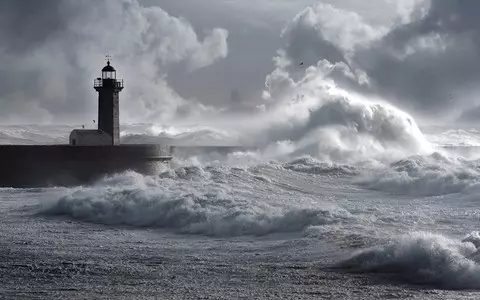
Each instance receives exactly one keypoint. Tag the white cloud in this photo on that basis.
(213, 47)
(420, 62)
(344, 29)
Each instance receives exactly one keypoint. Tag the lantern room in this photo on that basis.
(109, 72)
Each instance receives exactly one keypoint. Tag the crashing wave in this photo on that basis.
(431, 175)
(192, 200)
(316, 117)
(423, 258)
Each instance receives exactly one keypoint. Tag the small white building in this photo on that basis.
(82, 137)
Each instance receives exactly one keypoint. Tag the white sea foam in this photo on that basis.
(215, 201)
(424, 258)
(436, 174)
(468, 137)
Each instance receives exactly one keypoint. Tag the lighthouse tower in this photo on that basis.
(109, 88)
(108, 133)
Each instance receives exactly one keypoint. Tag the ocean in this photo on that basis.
(395, 216)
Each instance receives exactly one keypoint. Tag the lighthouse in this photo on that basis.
(109, 88)
(91, 154)
(108, 132)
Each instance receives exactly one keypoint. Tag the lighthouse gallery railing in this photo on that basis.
(98, 83)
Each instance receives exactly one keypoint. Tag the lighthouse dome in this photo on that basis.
(108, 68)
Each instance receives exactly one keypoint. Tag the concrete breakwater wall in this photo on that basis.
(64, 165)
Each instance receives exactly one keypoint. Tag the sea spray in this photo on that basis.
(321, 119)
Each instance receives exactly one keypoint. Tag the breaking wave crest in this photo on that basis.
(423, 258)
(431, 175)
(348, 131)
(192, 200)
(310, 165)
(34, 134)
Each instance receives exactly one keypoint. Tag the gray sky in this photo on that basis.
(254, 28)
(190, 58)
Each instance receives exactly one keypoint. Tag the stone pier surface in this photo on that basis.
(65, 165)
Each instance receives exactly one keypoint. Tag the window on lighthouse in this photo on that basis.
(109, 75)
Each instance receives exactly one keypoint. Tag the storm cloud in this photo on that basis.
(426, 63)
